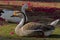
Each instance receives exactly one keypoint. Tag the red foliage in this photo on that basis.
(11, 33)
(49, 10)
(1, 19)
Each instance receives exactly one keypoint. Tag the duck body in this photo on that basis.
(35, 29)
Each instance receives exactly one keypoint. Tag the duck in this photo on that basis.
(32, 28)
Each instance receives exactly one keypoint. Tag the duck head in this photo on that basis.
(23, 11)
(1, 11)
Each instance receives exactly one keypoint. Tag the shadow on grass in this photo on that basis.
(54, 36)
(30, 37)
(51, 36)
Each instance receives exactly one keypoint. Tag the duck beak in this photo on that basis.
(54, 22)
(15, 14)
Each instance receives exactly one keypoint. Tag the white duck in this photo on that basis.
(31, 28)
(23, 19)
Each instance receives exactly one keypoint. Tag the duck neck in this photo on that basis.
(19, 26)
(21, 23)
(24, 13)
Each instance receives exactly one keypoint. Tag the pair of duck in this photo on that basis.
(32, 28)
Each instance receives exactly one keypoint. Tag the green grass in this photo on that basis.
(7, 29)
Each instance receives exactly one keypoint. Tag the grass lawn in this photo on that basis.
(7, 33)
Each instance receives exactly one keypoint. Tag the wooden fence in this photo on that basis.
(34, 4)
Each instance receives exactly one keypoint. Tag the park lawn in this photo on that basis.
(7, 33)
